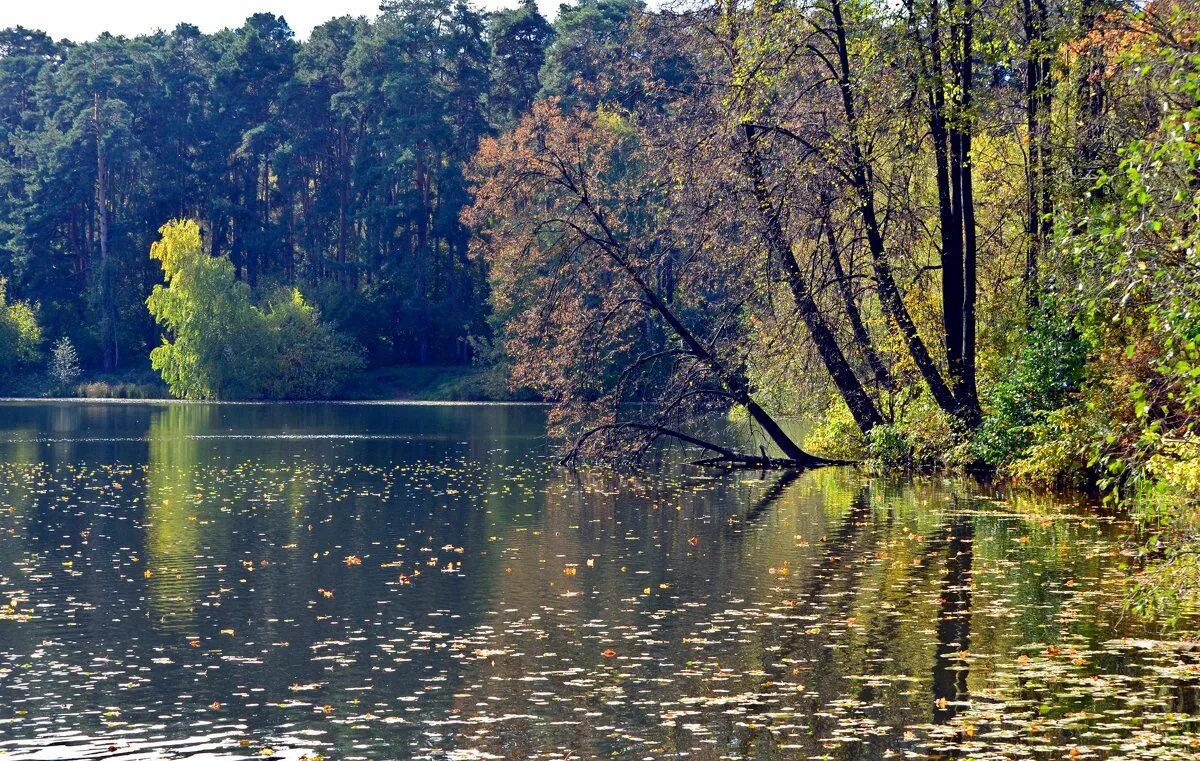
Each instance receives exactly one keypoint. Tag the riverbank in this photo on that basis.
(410, 383)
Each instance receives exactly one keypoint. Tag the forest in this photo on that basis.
(333, 166)
(957, 232)
(823, 382)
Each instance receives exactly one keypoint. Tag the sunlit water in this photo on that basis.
(387, 582)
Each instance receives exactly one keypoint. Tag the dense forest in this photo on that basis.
(958, 232)
(333, 165)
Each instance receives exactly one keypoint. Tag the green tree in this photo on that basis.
(519, 38)
(417, 83)
(312, 361)
(218, 345)
(590, 38)
(20, 335)
(222, 346)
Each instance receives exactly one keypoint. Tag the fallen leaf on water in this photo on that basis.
(305, 687)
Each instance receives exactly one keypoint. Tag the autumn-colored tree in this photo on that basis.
(624, 318)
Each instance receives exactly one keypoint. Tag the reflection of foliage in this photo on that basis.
(173, 536)
(1070, 699)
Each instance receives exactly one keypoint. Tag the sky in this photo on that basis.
(85, 19)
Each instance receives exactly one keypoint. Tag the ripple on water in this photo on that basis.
(172, 586)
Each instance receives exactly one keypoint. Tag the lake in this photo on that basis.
(373, 581)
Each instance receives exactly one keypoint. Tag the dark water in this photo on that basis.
(387, 582)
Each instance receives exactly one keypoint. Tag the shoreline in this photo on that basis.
(271, 402)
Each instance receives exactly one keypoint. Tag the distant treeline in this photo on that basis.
(335, 165)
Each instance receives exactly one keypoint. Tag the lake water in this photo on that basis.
(390, 581)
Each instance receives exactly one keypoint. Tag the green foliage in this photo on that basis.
(589, 38)
(1047, 369)
(889, 447)
(20, 334)
(312, 360)
(836, 434)
(1139, 292)
(334, 161)
(1058, 450)
(519, 37)
(222, 346)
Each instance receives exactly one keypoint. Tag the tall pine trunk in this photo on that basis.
(108, 308)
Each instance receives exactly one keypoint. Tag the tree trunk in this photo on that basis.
(966, 391)
(862, 407)
(889, 293)
(108, 316)
(729, 380)
(862, 338)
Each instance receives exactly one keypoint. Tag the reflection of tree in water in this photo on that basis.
(833, 589)
(954, 621)
(796, 644)
(172, 529)
(770, 497)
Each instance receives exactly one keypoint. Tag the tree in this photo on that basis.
(417, 84)
(223, 346)
(312, 360)
(20, 334)
(333, 164)
(590, 38)
(248, 81)
(218, 346)
(519, 38)
(573, 228)
(64, 363)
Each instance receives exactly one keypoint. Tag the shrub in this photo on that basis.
(312, 361)
(1046, 371)
(836, 434)
(20, 334)
(111, 390)
(890, 448)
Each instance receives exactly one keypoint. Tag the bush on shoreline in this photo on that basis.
(222, 346)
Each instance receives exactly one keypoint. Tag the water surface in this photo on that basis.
(386, 582)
